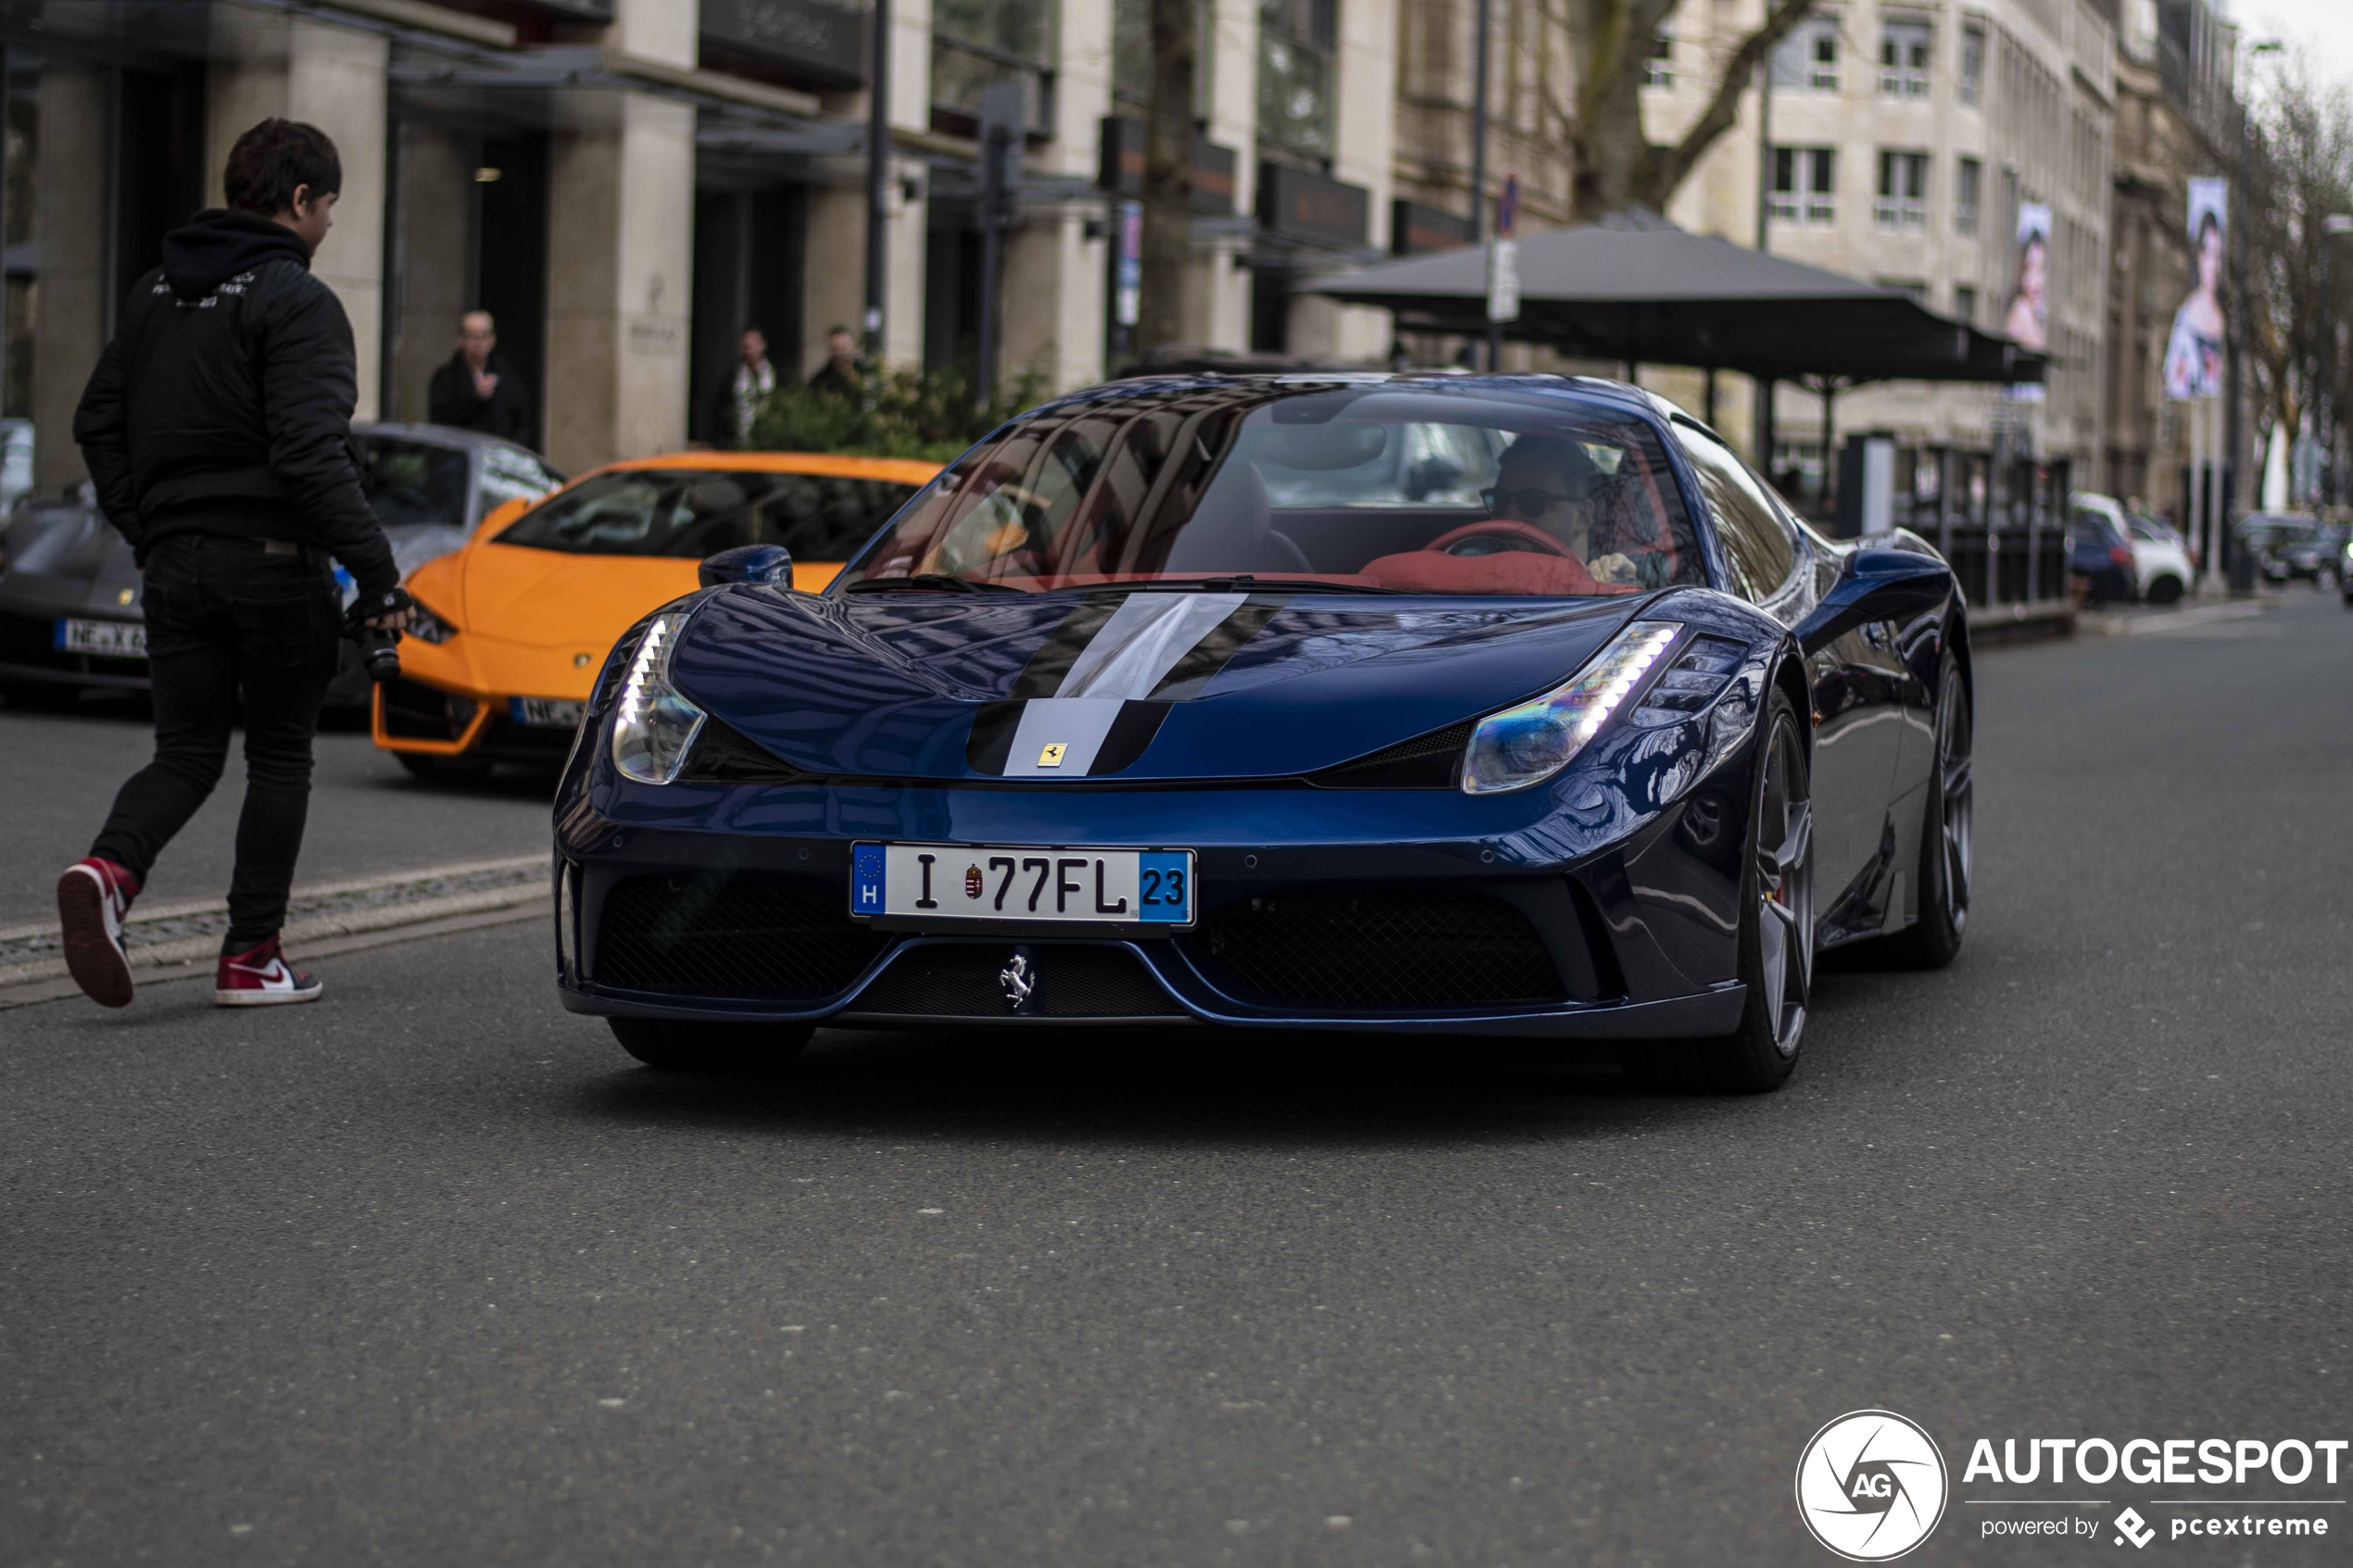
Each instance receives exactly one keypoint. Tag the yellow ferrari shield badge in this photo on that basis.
(1052, 756)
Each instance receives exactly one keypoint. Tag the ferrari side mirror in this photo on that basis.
(770, 564)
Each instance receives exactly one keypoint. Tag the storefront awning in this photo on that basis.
(1640, 289)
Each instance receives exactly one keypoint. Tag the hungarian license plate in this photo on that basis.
(992, 884)
(110, 639)
(544, 712)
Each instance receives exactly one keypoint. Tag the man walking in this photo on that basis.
(217, 429)
(478, 389)
(742, 390)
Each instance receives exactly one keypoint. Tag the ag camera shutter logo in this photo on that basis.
(1872, 1485)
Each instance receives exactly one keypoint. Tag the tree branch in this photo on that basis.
(1670, 165)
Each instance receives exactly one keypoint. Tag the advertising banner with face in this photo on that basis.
(2026, 319)
(2193, 351)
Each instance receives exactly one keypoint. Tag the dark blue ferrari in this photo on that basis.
(1435, 704)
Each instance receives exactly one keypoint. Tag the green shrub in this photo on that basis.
(928, 414)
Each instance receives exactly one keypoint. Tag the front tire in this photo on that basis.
(670, 1045)
(1946, 823)
(2165, 591)
(1776, 961)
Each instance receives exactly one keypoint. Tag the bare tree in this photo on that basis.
(1615, 163)
(1168, 175)
(2302, 171)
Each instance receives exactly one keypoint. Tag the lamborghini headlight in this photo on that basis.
(1528, 743)
(653, 725)
(427, 627)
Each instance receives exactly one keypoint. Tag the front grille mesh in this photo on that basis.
(732, 937)
(1379, 952)
(1073, 980)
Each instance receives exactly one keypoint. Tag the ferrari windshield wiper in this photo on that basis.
(1244, 583)
(928, 581)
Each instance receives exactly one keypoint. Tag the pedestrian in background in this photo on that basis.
(478, 389)
(742, 390)
(839, 376)
(217, 429)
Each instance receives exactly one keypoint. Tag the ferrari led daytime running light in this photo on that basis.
(652, 724)
(1528, 743)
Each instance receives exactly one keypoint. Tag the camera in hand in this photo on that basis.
(378, 646)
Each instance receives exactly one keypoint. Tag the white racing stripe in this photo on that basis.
(1141, 643)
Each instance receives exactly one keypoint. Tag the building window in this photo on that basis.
(1296, 42)
(1967, 174)
(1903, 191)
(1659, 71)
(1965, 304)
(1131, 56)
(1807, 59)
(977, 43)
(1912, 289)
(1805, 184)
(1903, 58)
(1822, 73)
(1972, 63)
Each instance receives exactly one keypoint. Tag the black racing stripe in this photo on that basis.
(1190, 674)
(1042, 676)
(1129, 734)
(991, 744)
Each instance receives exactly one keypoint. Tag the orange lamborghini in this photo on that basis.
(511, 628)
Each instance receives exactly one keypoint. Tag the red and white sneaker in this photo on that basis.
(93, 898)
(261, 978)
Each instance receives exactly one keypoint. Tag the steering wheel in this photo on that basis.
(1509, 534)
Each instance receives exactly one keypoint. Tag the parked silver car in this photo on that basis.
(69, 610)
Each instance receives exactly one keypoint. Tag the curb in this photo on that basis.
(521, 881)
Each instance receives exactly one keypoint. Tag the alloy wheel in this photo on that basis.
(1953, 772)
(1785, 889)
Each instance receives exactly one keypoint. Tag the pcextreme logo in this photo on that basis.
(1872, 1485)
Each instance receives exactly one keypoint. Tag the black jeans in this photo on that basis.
(230, 619)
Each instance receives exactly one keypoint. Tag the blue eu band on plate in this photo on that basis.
(1008, 885)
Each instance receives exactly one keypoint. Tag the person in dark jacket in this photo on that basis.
(217, 429)
(735, 402)
(478, 389)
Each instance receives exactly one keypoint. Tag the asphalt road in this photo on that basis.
(59, 769)
(431, 1273)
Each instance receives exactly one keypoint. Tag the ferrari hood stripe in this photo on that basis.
(1082, 705)
(1142, 641)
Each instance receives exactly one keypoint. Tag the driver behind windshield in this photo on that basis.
(1553, 486)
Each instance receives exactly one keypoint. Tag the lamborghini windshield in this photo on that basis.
(1397, 486)
(698, 512)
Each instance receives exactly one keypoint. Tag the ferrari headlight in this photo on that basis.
(1528, 743)
(653, 725)
(427, 627)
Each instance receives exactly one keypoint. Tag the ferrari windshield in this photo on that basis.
(698, 512)
(1398, 486)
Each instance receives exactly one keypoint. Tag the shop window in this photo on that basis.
(977, 43)
(1297, 42)
(1903, 192)
(1659, 71)
(1805, 184)
(1903, 58)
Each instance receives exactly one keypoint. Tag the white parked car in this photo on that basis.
(2160, 558)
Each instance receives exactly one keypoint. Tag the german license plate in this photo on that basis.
(993, 885)
(544, 712)
(109, 639)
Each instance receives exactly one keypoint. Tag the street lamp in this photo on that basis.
(2333, 227)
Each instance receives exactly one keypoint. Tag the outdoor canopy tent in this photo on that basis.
(1636, 288)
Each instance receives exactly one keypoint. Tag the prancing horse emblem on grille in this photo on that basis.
(1019, 980)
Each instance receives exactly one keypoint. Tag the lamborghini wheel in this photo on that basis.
(1776, 935)
(1934, 940)
(677, 1046)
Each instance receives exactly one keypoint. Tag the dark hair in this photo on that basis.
(838, 328)
(275, 159)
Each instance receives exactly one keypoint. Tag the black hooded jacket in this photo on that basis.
(223, 405)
